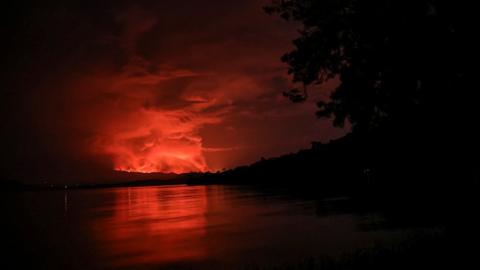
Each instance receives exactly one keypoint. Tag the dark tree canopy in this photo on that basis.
(397, 60)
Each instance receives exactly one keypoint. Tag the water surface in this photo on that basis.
(199, 227)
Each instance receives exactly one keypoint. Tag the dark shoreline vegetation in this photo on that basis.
(354, 165)
(366, 179)
(404, 87)
(371, 167)
(375, 171)
(421, 251)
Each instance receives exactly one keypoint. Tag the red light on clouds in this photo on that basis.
(176, 102)
(144, 124)
(129, 86)
(159, 142)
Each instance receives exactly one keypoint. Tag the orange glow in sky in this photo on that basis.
(145, 130)
(159, 143)
(145, 92)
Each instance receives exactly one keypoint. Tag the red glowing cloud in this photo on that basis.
(143, 136)
(193, 102)
(161, 142)
(132, 87)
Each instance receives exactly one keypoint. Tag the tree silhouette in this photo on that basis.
(398, 61)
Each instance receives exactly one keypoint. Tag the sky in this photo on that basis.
(89, 87)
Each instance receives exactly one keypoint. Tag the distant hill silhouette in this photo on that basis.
(116, 179)
(378, 163)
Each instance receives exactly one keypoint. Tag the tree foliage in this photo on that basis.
(396, 60)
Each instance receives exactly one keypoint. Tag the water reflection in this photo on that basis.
(215, 225)
(155, 225)
(191, 227)
(65, 203)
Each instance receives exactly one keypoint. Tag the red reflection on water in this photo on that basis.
(155, 225)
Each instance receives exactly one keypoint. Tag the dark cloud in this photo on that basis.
(89, 86)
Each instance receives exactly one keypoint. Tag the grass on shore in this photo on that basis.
(435, 251)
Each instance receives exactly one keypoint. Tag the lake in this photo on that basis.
(192, 227)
